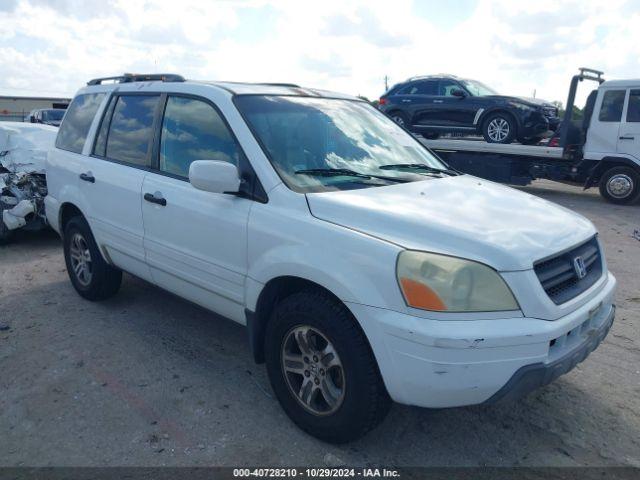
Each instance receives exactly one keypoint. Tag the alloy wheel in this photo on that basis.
(498, 129)
(80, 257)
(313, 370)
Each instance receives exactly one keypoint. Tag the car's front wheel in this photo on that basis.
(91, 276)
(322, 369)
(499, 128)
(620, 185)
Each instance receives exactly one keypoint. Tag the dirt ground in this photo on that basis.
(148, 379)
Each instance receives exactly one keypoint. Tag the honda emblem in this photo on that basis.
(579, 267)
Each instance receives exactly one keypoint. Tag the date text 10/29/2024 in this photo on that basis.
(315, 473)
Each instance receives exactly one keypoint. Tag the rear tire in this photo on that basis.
(92, 277)
(620, 185)
(356, 399)
(499, 128)
(400, 118)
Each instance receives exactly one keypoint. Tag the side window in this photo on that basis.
(446, 86)
(193, 130)
(611, 109)
(77, 121)
(427, 87)
(633, 108)
(131, 129)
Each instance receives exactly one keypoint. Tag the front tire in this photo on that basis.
(499, 128)
(92, 277)
(322, 369)
(620, 185)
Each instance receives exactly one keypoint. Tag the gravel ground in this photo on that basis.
(148, 379)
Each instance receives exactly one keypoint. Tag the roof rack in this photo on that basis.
(437, 75)
(138, 77)
(271, 84)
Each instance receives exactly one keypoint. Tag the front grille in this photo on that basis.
(550, 111)
(558, 275)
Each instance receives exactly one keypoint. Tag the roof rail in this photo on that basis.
(138, 77)
(437, 75)
(271, 84)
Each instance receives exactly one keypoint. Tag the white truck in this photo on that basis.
(602, 150)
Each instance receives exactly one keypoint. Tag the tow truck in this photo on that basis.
(602, 149)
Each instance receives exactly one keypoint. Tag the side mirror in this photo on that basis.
(456, 92)
(214, 176)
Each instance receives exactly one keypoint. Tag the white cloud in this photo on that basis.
(517, 47)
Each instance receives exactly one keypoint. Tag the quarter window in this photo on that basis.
(611, 109)
(77, 121)
(429, 87)
(633, 108)
(193, 130)
(131, 129)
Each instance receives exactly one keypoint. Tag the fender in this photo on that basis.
(602, 165)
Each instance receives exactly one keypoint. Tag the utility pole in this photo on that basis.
(534, 93)
(386, 83)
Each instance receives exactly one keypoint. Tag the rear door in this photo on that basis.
(417, 100)
(113, 176)
(629, 133)
(196, 241)
(605, 123)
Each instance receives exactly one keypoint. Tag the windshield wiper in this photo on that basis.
(329, 172)
(418, 167)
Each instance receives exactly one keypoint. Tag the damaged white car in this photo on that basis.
(23, 153)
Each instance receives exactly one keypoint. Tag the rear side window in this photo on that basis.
(193, 130)
(77, 121)
(611, 109)
(633, 108)
(130, 129)
(428, 87)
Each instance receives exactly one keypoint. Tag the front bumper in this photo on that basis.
(449, 363)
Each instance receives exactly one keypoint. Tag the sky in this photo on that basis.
(53, 47)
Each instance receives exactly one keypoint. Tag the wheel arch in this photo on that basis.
(273, 291)
(498, 109)
(606, 163)
(68, 210)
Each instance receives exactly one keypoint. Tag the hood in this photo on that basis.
(24, 146)
(463, 216)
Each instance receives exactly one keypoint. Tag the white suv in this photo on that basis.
(364, 268)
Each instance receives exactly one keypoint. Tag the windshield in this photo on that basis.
(52, 115)
(478, 89)
(320, 144)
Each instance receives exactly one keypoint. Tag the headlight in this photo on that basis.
(438, 282)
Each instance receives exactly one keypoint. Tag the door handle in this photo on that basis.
(87, 177)
(406, 100)
(626, 138)
(437, 101)
(150, 197)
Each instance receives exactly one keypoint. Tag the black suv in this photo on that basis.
(438, 104)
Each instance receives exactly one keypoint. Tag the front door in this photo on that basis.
(629, 133)
(605, 123)
(195, 241)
